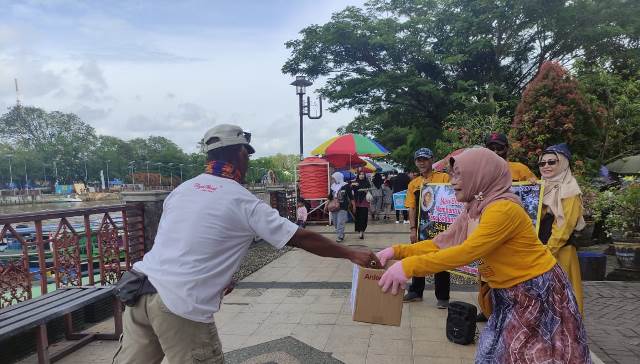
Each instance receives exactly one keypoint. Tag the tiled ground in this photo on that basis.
(303, 305)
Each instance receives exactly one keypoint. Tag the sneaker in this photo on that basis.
(412, 297)
(397, 222)
(339, 240)
(406, 221)
(481, 317)
(442, 304)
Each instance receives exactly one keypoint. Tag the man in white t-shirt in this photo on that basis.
(206, 228)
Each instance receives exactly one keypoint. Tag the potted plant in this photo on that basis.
(624, 220)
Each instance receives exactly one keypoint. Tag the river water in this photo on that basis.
(17, 209)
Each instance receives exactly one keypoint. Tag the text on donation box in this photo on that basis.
(369, 303)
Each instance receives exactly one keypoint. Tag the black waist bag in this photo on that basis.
(131, 286)
(461, 322)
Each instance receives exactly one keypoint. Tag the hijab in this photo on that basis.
(377, 180)
(361, 186)
(558, 187)
(339, 182)
(485, 179)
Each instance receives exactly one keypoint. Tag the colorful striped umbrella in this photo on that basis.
(351, 144)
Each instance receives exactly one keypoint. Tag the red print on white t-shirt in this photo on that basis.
(205, 188)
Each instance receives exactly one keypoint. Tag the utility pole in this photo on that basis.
(18, 103)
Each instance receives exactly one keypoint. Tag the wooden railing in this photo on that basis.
(64, 248)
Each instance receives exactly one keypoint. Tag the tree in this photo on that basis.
(465, 129)
(617, 98)
(48, 137)
(405, 66)
(283, 165)
(554, 110)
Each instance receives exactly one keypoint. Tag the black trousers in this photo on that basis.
(362, 217)
(405, 215)
(441, 282)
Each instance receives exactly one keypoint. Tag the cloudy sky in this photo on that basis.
(171, 68)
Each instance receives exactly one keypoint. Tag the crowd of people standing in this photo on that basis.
(544, 282)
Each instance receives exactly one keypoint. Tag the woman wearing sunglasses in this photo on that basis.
(561, 212)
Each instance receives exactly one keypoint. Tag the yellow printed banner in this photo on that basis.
(438, 208)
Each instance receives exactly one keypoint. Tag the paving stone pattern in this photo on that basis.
(612, 320)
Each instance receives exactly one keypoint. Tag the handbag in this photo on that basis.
(461, 322)
(333, 205)
(369, 196)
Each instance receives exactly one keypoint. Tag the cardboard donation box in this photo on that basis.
(369, 303)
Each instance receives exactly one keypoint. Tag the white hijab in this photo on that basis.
(339, 182)
(558, 187)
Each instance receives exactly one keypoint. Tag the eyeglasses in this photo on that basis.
(496, 147)
(247, 136)
(551, 162)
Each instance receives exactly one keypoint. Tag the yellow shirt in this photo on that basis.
(520, 172)
(566, 253)
(416, 184)
(572, 210)
(504, 241)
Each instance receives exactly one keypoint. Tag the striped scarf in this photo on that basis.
(223, 169)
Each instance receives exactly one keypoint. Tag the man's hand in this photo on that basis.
(413, 236)
(365, 258)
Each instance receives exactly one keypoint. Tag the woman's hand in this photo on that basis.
(393, 278)
(533, 180)
(385, 255)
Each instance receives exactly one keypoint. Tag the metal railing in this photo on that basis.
(66, 248)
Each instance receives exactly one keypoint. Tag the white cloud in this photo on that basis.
(132, 76)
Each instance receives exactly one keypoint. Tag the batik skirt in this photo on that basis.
(536, 321)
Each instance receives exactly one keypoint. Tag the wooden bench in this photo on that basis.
(35, 313)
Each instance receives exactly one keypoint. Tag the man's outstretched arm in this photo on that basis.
(319, 245)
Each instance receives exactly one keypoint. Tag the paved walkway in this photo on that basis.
(612, 310)
(306, 297)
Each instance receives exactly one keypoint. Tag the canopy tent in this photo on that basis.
(626, 165)
(351, 144)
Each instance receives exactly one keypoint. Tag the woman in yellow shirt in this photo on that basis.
(562, 212)
(535, 317)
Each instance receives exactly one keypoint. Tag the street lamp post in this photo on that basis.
(9, 156)
(132, 165)
(26, 177)
(301, 84)
(107, 161)
(159, 164)
(55, 168)
(170, 165)
(147, 173)
(86, 175)
(181, 164)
